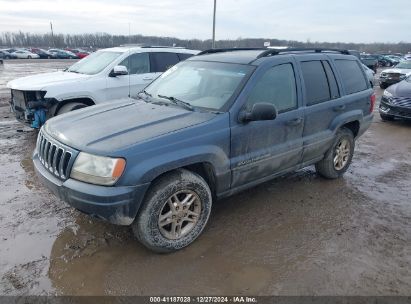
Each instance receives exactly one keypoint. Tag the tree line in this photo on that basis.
(104, 40)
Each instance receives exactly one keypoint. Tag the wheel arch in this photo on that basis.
(84, 100)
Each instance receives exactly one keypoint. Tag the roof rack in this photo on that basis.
(272, 52)
(145, 46)
(162, 47)
(213, 51)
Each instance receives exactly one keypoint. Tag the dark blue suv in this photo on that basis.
(214, 125)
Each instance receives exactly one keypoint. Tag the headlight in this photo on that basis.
(383, 74)
(387, 94)
(98, 170)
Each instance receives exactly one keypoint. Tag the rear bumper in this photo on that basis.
(117, 205)
(366, 123)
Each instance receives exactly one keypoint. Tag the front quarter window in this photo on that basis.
(94, 63)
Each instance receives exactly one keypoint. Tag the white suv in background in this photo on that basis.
(105, 75)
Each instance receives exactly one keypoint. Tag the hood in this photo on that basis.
(395, 70)
(109, 127)
(42, 81)
(401, 89)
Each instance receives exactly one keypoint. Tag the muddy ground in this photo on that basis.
(296, 235)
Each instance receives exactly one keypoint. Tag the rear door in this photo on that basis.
(325, 99)
(138, 66)
(260, 149)
(323, 103)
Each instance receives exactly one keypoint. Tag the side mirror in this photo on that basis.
(119, 70)
(259, 111)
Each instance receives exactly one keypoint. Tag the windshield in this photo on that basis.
(201, 84)
(404, 65)
(94, 63)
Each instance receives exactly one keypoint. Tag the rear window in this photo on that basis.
(184, 56)
(160, 62)
(352, 75)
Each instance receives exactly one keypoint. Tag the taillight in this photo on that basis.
(372, 102)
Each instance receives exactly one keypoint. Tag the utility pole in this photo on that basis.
(52, 34)
(213, 42)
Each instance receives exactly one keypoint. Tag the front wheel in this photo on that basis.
(338, 158)
(71, 107)
(174, 212)
(383, 86)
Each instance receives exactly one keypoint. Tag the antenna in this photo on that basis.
(128, 62)
(52, 34)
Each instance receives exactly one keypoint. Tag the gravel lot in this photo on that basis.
(295, 235)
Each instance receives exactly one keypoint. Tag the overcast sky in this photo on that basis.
(317, 20)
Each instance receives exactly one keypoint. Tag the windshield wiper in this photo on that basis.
(146, 94)
(178, 102)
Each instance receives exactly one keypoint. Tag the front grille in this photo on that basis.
(401, 102)
(394, 75)
(54, 156)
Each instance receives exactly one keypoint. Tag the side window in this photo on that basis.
(276, 86)
(335, 93)
(161, 62)
(316, 83)
(138, 63)
(184, 56)
(352, 75)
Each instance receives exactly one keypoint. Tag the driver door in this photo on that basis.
(260, 149)
(138, 66)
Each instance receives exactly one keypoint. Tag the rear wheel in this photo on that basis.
(29, 57)
(174, 212)
(71, 107)
(386, 117)
(339, 156)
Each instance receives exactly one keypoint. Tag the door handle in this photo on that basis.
(339, 108)
(294, 122)
(147, 78)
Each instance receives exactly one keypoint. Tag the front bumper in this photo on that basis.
(388, 109)
(117, 205)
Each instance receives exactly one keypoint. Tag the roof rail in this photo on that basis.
(272, 52)
(213, 51)
(162, 47)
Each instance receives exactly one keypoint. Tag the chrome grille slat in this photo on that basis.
(54, 156)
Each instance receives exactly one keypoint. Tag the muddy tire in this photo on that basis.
(386, 117)
(71, 107)
(174, 212)
(338, 158)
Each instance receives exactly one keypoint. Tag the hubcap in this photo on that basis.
(342, 154)
(179, 214)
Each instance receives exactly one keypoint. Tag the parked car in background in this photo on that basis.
(407, 57)
(7, 55)
(370, 61)
(390, 60)
(102, 76)
(1, 58)
(79, 53)
(209, 127)
(370, 74)
(42, 53)
(23, 54)
(396, 101)
(62, 54)
(395, 74)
